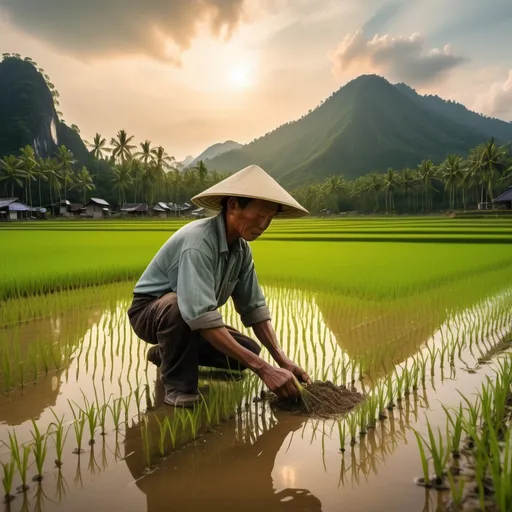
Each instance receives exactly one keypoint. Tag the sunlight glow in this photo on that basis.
(240, 77)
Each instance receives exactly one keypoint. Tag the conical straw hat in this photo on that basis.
(254, 182)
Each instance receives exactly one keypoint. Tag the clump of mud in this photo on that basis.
(322, 399)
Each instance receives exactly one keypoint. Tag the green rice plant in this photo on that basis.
(126, 406)
(381, 401)
(373, 404)
(59, 438)
(352, 426)
(424, 461)
(194, 417)
(146, 441)
(115, 410)
(173, 427)
(456, 423)
(390, 392)
(423, 369)
(39, 450)
(500, 465)
(78, 426)
(102, 417)
(34, 361)
(19, 364)
(442, 354)
(44, 353)
(6, 367)
(438, 452)
(91, 414)
(399, 379)
(56, 354)
(342, 431)
(415, 375)
(164, 428)
(21, 459)
(457, 490)
(8, 479)
(433, 352)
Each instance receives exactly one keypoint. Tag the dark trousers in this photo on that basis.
(158, 321)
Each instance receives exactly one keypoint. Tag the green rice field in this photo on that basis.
(415, 313)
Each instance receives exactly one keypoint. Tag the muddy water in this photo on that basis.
(262, 459)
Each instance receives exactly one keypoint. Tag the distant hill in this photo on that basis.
(493, 127)
(213, 151)
(367, 125)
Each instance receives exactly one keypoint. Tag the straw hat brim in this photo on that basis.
(252, 182)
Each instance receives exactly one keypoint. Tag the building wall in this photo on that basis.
(94, 211)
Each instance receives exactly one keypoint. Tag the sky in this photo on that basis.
(186, 74)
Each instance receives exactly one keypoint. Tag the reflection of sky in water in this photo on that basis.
(110, 361)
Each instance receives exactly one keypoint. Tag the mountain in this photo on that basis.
(367, 125)
(28, 116)
(215, 150)
(501, 130)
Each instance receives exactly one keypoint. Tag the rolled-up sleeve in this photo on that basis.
(196, 291)
(247, 296)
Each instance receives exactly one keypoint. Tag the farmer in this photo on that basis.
(176, 300)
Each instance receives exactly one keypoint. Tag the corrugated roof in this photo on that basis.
(505, 197)
(97, 200)
(6, 201)
(162, 205)
(134, 207)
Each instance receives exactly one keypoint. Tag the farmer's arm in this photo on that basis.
(251, 305)
(198, 307)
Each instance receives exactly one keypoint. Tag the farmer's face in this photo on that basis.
(250, 222)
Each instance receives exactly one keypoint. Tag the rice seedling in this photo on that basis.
(39, 450)
(456, 422)
(500, 466)
(78, 426)
(115, 410)
(44, 353)
(59, 438)
(6, 367)
(342, 431)
(163, 426)
(102, 417)
(194, 420)
(138, 398)
(457, 490)
(8, 479)
(173, 426)
(146, 441)
(439, 454)
(352, 426)
(20, 458)
(424, 461)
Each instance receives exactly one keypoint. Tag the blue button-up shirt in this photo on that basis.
(197, 264)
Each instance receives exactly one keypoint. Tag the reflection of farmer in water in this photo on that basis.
(176, 300)
(219, 471)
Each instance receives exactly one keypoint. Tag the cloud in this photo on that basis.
(159, 28)
(400, 58)
(498, 101)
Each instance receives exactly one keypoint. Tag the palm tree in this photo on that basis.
(408, 181)
(41, 175)
(122, 180)
(391, 182)
(452, 175)
(66, 159)
(162, 159)
(122, 149)
(175, 179)
(84, 182)
(12, 173)
(492, 160)
(52, 173)
(146, 155)
(375, 184)
(30, 167)
(427, 173)
(334, 186)
(99, 149)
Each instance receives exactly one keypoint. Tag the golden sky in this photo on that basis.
(189, 73)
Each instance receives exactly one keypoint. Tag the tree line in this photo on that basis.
(146, 173)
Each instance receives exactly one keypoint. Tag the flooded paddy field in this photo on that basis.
(417, 328)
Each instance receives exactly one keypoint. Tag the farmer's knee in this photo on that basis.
(167, 311)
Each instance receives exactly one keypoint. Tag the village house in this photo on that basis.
(97, 208)
(11, 208)
(134, 209)
(504, 200)
(160, 210)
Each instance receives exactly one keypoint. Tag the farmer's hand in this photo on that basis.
(279, 380)
(301, 375)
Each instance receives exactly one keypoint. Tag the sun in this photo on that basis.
(240, 77)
